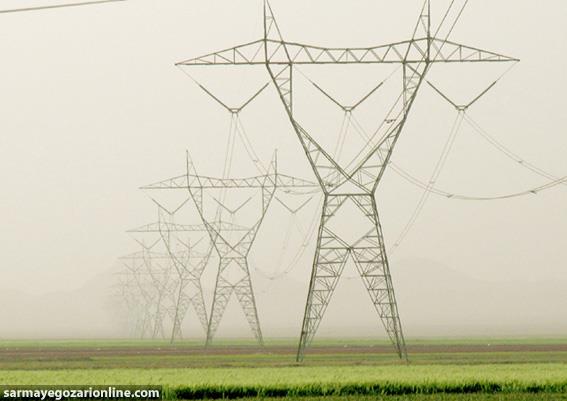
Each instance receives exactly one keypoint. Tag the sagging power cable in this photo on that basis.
(65, 5)
(521, 161)
(293, 223)
(432, 180)
(236, 131)
(430, 188)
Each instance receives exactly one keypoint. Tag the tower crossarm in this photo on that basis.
(164, 226)
(172, 227)
(204, 182)
(245, 54)
(178, 182)
(445, 51)
(411, 51)
(218, 183)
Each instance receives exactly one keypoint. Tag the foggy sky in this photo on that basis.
(93, 108)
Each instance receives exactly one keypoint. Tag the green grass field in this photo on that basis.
(439, 370)
(318, 342)
(435, 397)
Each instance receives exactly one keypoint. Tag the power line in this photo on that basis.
(432, 180)
(85, 3)
(506, 151)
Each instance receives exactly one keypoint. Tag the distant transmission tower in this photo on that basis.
(145, 268)
(233, 275)
(130, 297)
(357, 183)
(188, 265)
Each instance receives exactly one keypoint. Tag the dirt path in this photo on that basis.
(75, 353)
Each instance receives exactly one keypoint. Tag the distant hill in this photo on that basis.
(82, 312)
(434, 300)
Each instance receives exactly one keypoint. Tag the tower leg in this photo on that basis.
(371, 262)
(179, 313)
(234, 277)
(145, 326)
(223, 291)
(369, 255)
(158, 331)
(198, 302)
(330, 258)
(245, 295)
(184, 301)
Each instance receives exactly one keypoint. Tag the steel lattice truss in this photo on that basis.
(150, 273)
(128, 292)
(233, 277)
(188, 265)
(282, 181)
(357, 184)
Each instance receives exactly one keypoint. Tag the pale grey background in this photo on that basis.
(93, 108)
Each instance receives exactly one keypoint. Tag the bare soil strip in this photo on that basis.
(73, 353)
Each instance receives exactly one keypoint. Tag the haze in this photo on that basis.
(93, 108)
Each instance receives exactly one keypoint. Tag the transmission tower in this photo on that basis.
(135, 297)
(135, 271)
(129, 295)
(188, 265)
(357, 183)
(152, 272)
(233, 276)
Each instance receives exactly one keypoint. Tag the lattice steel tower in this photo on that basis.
(151, 274)
(188, 264)
(233, 276)
(357, 183)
